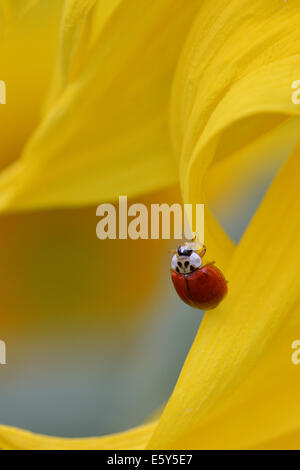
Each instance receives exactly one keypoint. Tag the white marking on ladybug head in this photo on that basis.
(195, 260)
(174, 263)
(186, 264)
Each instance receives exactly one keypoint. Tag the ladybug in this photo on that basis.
(200, 286)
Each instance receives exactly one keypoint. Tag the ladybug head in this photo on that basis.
(186, 260)
(184, 250)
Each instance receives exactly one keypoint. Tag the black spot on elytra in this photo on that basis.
(186, 264)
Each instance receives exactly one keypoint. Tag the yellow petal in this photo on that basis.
(236, 70)
(12, 10)
(288, 441)
(28, 44)
(73, 38)
(242, 172)
(238, 386)
(234, 79)
(17, 439)
(225, 358)
(105, 132)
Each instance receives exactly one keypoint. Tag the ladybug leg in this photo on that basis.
(202, 252)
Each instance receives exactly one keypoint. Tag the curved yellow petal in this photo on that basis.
(16, 439)
(105, 128)
(229, 116)
(239, 174)
(239, 370)
(234, 78)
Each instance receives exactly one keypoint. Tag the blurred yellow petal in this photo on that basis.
(28, 44)
(238, 385)
(13, 9)
(73, 38)
(17, 439)
(105, 129)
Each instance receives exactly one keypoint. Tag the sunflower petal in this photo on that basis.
(241, 173)
(257, 48)
(14, 9)
(17, 439)
(105, 127)
(234, 78)
(24, 38)
(242, 351)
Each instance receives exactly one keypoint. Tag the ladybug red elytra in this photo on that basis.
(200, 286)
